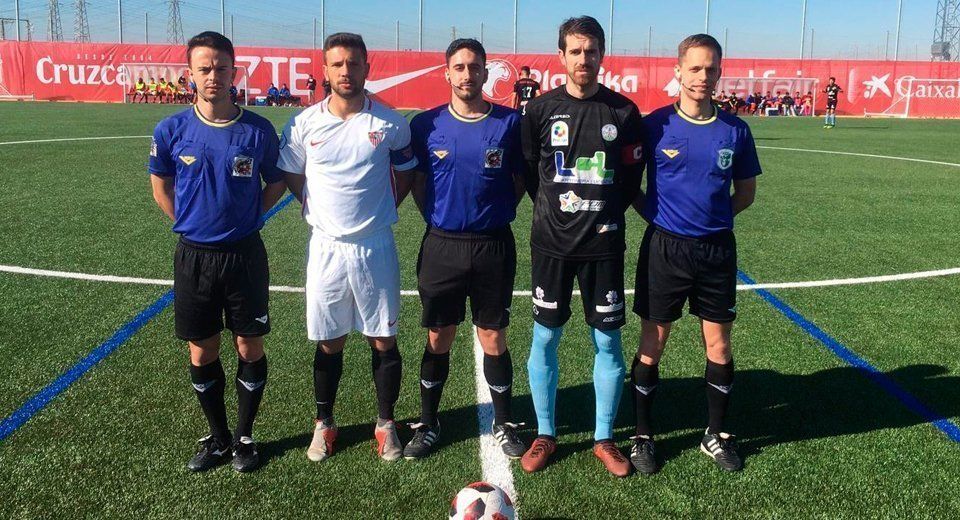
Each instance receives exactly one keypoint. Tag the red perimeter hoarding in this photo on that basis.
(97, 72)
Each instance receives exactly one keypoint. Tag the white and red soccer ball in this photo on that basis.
(481, 501)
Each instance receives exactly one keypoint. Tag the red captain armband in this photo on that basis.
(632, 154)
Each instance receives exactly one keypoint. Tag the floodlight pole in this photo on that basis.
(314, 33)
(146, 27)
(16, 17)
(706, 21)
(649, 40)
(398, 34)
(610, 40)
(120, 21)
(896, 45)
(515, 8)
(481, 33)
(803, 27)
(420, 27)
(323, 22)
(223, 18)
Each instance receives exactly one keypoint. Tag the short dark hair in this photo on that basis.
(212, 39)
(833, 78)
(699, 40)
(346, 40)
(469, 44)
(585, 25)
(525, 69)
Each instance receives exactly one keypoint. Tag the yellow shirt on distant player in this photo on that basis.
(140, 86)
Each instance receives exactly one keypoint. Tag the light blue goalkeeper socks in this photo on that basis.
(543, 368)
(608, 373)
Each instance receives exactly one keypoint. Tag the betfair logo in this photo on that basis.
(440, 153)
(671, 153)
(188, 159)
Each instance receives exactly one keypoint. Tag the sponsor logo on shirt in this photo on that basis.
(724, 158)
(243, 166)
(670, 153)
(441, 153)
(560, 116)
(493, 158)
(376, 137)
(559, 134)
(585, 170)
(188, 159)
(571, 203)
(608, 132)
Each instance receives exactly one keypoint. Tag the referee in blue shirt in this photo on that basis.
(468, 189)
(693, 152)
(206, 166)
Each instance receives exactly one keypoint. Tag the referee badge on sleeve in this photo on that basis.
(724, 158)
(493, 158)
(242, 166)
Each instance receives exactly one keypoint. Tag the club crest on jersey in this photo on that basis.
(242, 166)
(724, 158)
(493, 158)
(376, 137)
(188, 159)
(559, 134)
(585, 170)
(670, 153)
(441, 153)
(608, 132)
(570, 202)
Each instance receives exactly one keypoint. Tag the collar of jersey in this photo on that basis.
(685, 117)
(216, 125)
(458, 117)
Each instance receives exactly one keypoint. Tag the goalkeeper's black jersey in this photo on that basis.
(832, 91)
(586, 155)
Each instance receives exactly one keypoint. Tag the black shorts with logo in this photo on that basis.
(831, 104)
(213, 281)
(601, 289)
(673, 268)
(455, 266)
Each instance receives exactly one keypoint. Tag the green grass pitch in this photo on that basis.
(821, 440)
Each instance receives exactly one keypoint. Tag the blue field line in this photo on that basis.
(850, 357)
(42, 398)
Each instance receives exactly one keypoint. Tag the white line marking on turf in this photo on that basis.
(496, 465)
(832, 152)
(288, 289)
(68, 139)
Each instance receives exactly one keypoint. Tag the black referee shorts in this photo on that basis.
(213, 281)
(455, 266)
(672, 269)
(601, 288)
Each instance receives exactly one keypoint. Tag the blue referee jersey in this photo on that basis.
(217, 168)
(469, 166)
(690, 166)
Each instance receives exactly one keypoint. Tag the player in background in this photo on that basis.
(694, 153)
(832, 90)
(338, 156)
(152, 88)
(524, 89)
(139, 91)
(471, 178)
(583, 146)
(311, 89)
(206, 166)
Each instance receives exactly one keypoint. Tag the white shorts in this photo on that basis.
(352, 286)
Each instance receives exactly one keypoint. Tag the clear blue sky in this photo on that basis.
(755, 28)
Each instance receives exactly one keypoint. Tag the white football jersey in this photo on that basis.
(349, 190)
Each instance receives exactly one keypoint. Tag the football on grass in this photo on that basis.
(481, 501)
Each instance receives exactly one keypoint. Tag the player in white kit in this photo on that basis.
(338, 156)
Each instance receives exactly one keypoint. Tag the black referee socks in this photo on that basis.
(251, 381)
(208, 383)
(498, 371)
(719, 385)
(434, 369)
(387, 369)
(645, 379)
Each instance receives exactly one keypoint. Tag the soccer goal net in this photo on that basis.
(170, 72)
(920, 97)
(804, 91)
(5, 94)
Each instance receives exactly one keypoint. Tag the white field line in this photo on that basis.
(288, 289)
(496, 465)
(68, 139)
(832, 152)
